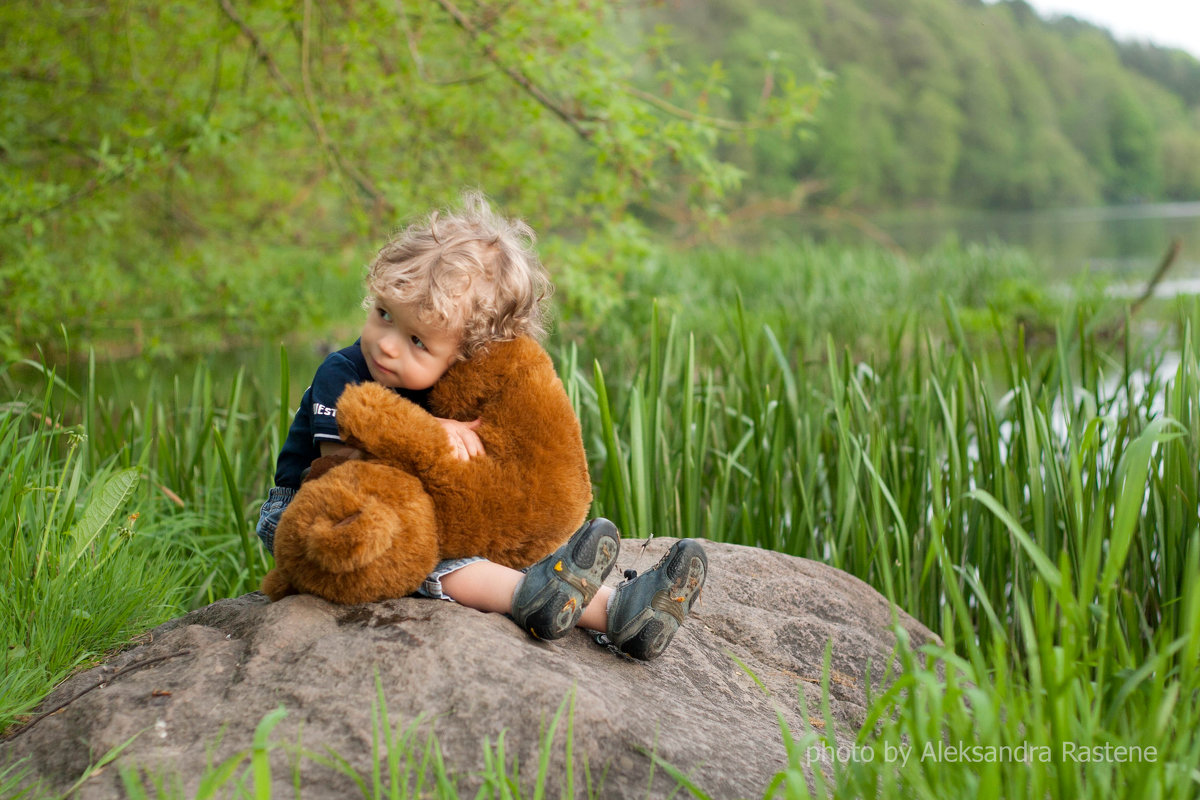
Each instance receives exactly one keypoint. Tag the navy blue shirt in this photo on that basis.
(316, 419)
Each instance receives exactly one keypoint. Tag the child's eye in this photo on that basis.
(416, 340)
(385, 314)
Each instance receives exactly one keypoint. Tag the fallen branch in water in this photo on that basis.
(1168, 260)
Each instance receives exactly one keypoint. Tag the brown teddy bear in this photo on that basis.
(372, 529)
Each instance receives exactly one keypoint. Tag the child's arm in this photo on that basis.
(332, 455)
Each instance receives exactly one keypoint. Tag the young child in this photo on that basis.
(438, 293)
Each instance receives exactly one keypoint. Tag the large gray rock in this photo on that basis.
(208, 678)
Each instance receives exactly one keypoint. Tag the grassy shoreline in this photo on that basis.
(1035, 505)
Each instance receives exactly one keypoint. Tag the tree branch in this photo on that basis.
(1164, 264)
(514, 74)
(264, 55)
(419, 62)
(12, 734)
(691, 116)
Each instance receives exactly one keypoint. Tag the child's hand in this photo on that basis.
(463, 439)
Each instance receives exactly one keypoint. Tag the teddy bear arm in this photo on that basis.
(389, 427)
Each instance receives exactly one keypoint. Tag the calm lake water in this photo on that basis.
(1124, 243)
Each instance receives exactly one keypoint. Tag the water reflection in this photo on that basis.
(1117, 241)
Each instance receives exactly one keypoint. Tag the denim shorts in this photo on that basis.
(268, 517)
(278, 499)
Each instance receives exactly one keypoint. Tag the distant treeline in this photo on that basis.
(954, 101)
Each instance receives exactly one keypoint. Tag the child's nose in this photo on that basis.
(390, 345)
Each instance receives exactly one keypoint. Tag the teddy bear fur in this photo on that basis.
(371, 529)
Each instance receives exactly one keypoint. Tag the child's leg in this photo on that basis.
(595, 616)
(483, 585)
(549, 598)
(640, 616)
(486, 586)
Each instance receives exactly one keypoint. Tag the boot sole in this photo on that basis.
(576, 575)
(683, 576)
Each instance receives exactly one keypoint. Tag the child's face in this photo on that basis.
(401, 351)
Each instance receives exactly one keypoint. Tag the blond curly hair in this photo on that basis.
(466, 270)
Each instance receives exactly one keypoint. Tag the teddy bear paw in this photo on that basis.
(363, 409)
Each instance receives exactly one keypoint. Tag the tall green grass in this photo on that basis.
(882, 466)
(1037, 507)
(1038, 511)
(854, 294)
(116, 517)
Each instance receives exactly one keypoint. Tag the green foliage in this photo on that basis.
(177, 177)
(80, 573)
(1175, 69)
(78, 576)
(220, 170)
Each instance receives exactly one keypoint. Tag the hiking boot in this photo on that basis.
(552, 595)
(649, 608)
